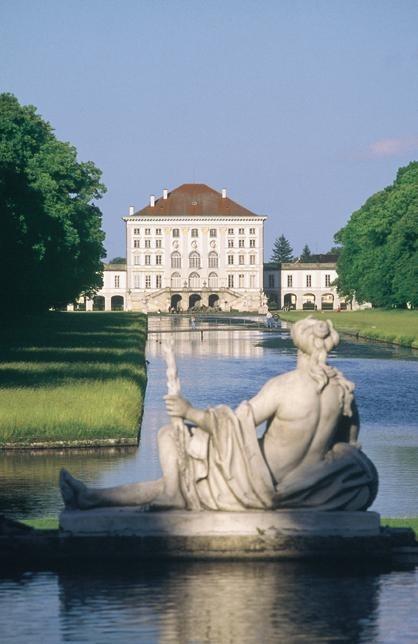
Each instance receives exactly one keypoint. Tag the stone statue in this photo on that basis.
(308, 457)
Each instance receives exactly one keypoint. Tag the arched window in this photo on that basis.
(194, 280)
(194, 260)
(213, 280)
(176, 280)
(175, 260)
(213, 259)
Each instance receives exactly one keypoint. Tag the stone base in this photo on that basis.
(133, 535)
(132, 522)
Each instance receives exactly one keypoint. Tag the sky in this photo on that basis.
(302, 109)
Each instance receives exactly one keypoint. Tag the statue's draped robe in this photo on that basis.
(228, 471)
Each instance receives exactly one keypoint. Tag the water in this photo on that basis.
(224, 602)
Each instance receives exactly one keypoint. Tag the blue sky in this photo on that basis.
(301, 109)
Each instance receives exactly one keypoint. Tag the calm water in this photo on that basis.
(224, 602)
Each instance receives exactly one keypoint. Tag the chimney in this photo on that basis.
(223, 193)
(152, 201)
(131, 211)
(165, 193)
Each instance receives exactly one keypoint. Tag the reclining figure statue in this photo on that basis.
(308, 457)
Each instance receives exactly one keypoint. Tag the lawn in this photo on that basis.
(71, 377)
(395, 326)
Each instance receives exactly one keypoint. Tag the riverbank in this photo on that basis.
(71, 379)
(396, 326)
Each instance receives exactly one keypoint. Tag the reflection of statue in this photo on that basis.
(308, 457)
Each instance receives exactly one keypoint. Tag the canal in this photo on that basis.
(228, 602)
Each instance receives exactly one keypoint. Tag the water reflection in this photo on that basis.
(221, 602)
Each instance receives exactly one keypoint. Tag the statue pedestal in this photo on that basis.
(179, 534)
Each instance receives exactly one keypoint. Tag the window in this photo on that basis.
(252, 281)
(194, 260)
(230, 259)
(195, 232)
(136, 243)
(137, 280)
(240, 231)
(158, 243)
(241, 243)
(136, 260)
(309, 280)
(148, 231)
(252, 243)
(147, 281)
(230, 231)
(147, 260)
(212, 232)
(327, 280)
(136, 231)
(176, 232)
(230, 243)
(117, 281)
(241, 260)
(176, 280)
(252, 231)
(158, 281)
(241, 281)
(158, 232)
(290, 281)
(175, 260)
(194, 280)
(158, 260)
(230, 281)
(147, 243)
(271, 281)
(213, 280)
(213, 259)
(252, 259)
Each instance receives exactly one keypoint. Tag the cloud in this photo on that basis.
(392, 147)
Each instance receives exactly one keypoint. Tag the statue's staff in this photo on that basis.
(181, 431)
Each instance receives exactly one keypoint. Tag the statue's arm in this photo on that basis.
(178, 407)
(265, 404)
(354, 425)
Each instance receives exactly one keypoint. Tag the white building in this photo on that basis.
(191, 247)
(309, 286)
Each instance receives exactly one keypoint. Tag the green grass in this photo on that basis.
(71, 377)
(395, 326)
(51, 523)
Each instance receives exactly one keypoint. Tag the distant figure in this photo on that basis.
(269, 320)
(193, 322)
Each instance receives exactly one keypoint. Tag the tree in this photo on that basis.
(306, 254)
(282, 250)
(378, 261)
(118, 260)
(51, 241)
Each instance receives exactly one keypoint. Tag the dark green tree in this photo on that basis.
(282, 251)
(51, 241)
(306, 254)
(378, 261)
(118, 260)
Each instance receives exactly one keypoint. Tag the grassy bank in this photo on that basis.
(395, 326)
(51, 523)
(71, 377)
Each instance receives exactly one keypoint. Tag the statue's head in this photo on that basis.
(315, 337)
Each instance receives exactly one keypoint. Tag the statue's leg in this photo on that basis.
(77, 495)
(171, 497)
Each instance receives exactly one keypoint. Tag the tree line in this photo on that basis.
(51, 241)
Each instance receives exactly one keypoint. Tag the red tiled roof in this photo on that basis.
(195, 199)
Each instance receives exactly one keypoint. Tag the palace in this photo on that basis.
(194, 247)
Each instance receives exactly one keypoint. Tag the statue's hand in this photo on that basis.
(176, 406)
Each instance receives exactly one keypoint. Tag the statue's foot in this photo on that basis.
(74, 492)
